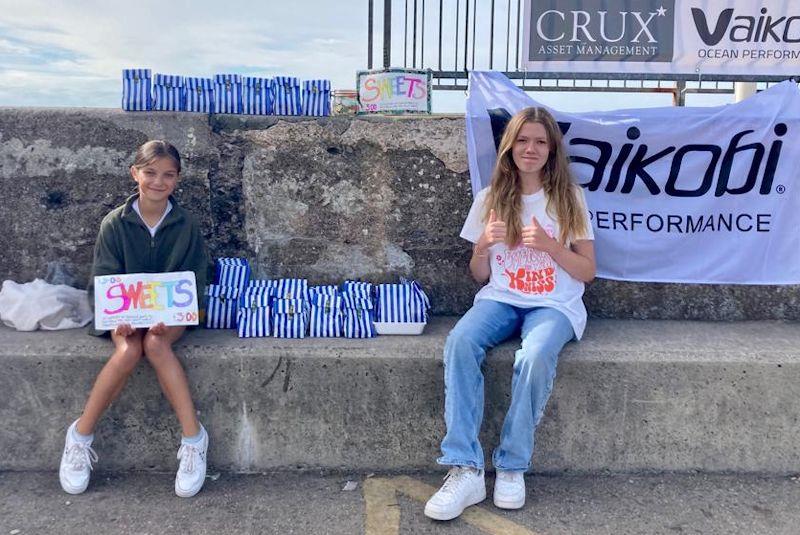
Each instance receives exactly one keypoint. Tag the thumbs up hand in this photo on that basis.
(495, 230)
(535, 237)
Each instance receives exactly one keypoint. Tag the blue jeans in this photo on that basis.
(544, 332)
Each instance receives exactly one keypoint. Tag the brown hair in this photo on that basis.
(563, 196)
(154, 149)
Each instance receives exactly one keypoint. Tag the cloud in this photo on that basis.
(77, 56)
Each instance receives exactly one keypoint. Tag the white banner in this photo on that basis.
(701, 195)
(145, 299)
(697, 37)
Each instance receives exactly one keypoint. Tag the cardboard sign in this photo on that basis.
(394, 91)
(145, 299)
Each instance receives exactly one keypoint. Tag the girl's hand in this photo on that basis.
(494, 232)
(124, 329)
(535, 237)
(158, 329)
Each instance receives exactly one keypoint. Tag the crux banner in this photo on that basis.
(698, 37)
(703, 195)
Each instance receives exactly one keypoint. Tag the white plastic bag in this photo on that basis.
(40, 305)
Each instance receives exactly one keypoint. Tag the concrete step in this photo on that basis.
(632, 396)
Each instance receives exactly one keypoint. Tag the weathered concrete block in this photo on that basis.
(323, 198)
(633, 396)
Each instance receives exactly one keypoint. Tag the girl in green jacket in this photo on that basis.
(150, 233)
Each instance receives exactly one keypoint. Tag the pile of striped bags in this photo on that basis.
(225, 93)
(290, 308)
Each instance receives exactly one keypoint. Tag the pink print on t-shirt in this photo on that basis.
(528, 271)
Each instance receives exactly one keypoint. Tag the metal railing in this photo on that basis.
(486, 35)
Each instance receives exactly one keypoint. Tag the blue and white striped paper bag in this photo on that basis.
(253, 318)
(357, 289)
(289, 288)
(257, 95)
(222, 308)
(228, 93)
(233, 272)
(200, 95)
(325, 315)
(317, 98)
(326, 289)
(289, 318)
(287, 96)
(136, 90)
(357, 317)
(405, 302)
(169, 93)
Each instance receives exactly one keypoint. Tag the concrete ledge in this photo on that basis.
(633, 396)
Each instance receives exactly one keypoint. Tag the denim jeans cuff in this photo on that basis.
(512, 468)
(456, 462)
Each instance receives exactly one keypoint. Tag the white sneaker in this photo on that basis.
(463, 486)
(509, 489)
(76, 463)
(192, 470)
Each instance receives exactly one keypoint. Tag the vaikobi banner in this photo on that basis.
(145, 299)
(704, 195)
(688, 37)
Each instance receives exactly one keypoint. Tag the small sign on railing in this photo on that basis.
(394, 91)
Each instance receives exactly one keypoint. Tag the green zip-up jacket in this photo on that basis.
(124, 245)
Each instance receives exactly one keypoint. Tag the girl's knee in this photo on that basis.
(156, 348)
(535, 359)
(127, 356)
(460, 344)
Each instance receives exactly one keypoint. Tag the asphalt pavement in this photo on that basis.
(316, 503)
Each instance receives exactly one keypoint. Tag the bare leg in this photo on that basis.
(111, 379)
(158, 350)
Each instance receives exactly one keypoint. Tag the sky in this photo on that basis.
(71, 53)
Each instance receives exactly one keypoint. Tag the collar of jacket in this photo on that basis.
(129, 214)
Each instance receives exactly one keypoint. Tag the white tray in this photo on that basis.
(395, 327)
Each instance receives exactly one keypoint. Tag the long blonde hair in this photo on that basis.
(505, 191)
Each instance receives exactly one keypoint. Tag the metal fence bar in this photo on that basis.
(414, 39)
(369, 35)
(387, 33)
(440, 33)
(508, 33)
(474, 25)
(516, 41)
(405, 37)
(466, 35)
(422, 40)
(491, 38)
(455, 58)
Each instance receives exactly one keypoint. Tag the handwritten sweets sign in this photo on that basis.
(145, 299)
(394, 91)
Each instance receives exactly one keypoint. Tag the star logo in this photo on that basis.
(661, 11)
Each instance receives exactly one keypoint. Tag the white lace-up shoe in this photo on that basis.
(509, 490)
(463, 486)
(192, 470)
(76, 463)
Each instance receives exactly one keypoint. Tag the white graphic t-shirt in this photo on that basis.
(526, 277)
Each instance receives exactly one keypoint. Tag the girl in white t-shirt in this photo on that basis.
(533, 243)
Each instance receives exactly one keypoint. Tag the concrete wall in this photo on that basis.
(324, 199)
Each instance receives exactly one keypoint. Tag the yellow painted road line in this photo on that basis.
(383, 511)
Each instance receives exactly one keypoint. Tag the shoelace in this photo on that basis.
(79, 455)
(187, 454)
(454, 479)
